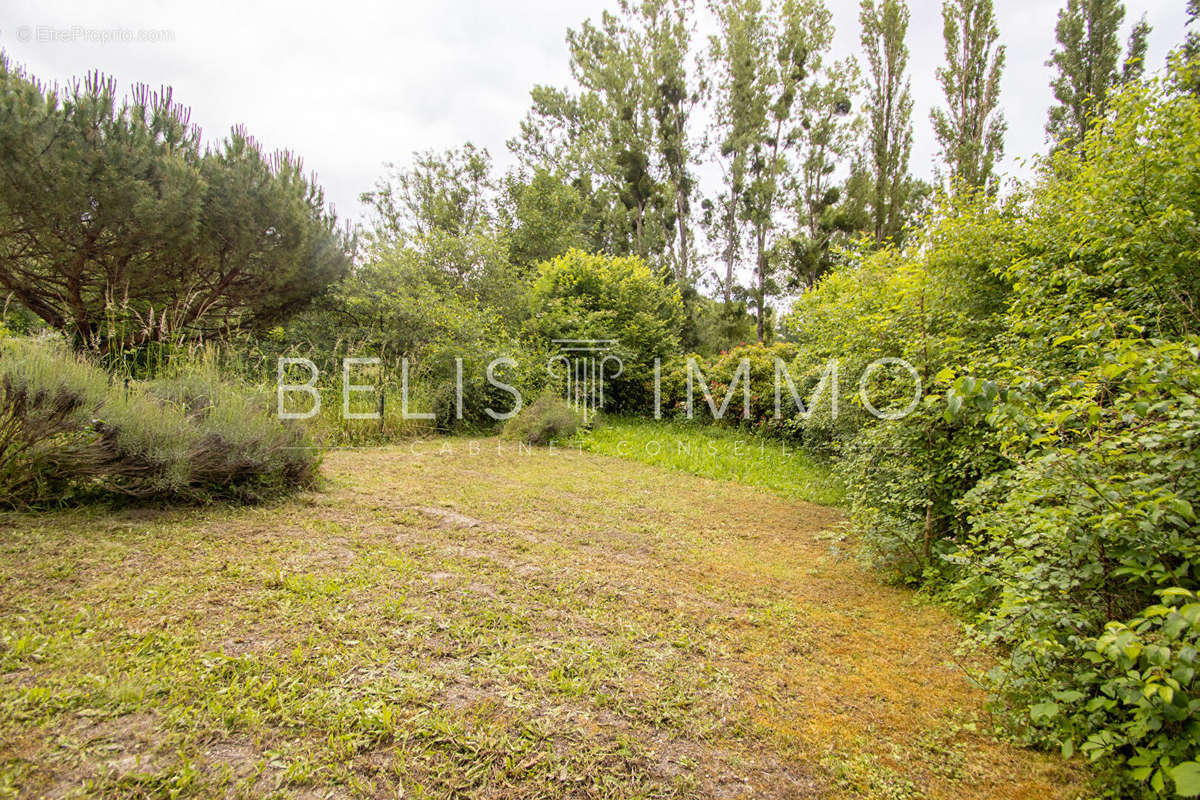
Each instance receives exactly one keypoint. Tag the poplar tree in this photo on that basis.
(626, 132)
(831, 132)
(1088, 64)
(970, 129)
(1190, 51)
(668, 32)
(1135, 55)
(766, 58)
(889, 121)
(1191, 45)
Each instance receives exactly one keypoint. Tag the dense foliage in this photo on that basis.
(588, 297)
(1047, 483)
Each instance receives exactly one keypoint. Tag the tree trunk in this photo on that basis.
(762, 284)
(680, 210)
(729, 278)
(637, 224)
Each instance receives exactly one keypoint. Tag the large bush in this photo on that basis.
(585, 296)
(1071, 547)
(936, 303)
(69, 432)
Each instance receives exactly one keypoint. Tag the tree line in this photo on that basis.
(122, 229)
(812, 153)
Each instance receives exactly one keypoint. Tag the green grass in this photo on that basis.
(719, 453)
(476, 618)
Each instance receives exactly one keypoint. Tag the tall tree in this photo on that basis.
(1135, 54)
(724, 225)
(970, 129)
(543, 216)
(449, 193)
(1191, 48)
(669, 28)
(1088, 65)
(889, 120)
(626, 132)
(829, 133)
(766, 56)
(1192, 43)
(118, 228)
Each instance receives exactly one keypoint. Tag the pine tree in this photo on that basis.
(122, 229)
(890, 132)
(971, 129)
(1088, 61)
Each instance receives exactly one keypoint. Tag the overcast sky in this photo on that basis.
(351, 85)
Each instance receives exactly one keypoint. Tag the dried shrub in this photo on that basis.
(66, 432)
(548, 419)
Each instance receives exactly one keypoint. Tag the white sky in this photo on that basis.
(353, 84)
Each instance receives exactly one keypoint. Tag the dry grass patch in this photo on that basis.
(487, 622)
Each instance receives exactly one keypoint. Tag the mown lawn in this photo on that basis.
(476, 620)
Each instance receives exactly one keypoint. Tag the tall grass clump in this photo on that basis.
(69, 432)
(45, 401)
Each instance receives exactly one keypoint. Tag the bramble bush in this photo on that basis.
(1048, 482)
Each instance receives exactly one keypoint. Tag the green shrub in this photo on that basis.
(1137, 705)
(548, 419)
(585, 296)
(724, 369)
(1048, 484)
(904, 479)
(68, 433)
(524, 370)
(1071, 547)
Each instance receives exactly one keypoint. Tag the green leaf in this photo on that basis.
(1187, 778)
(954, 404)
(1042, 711)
